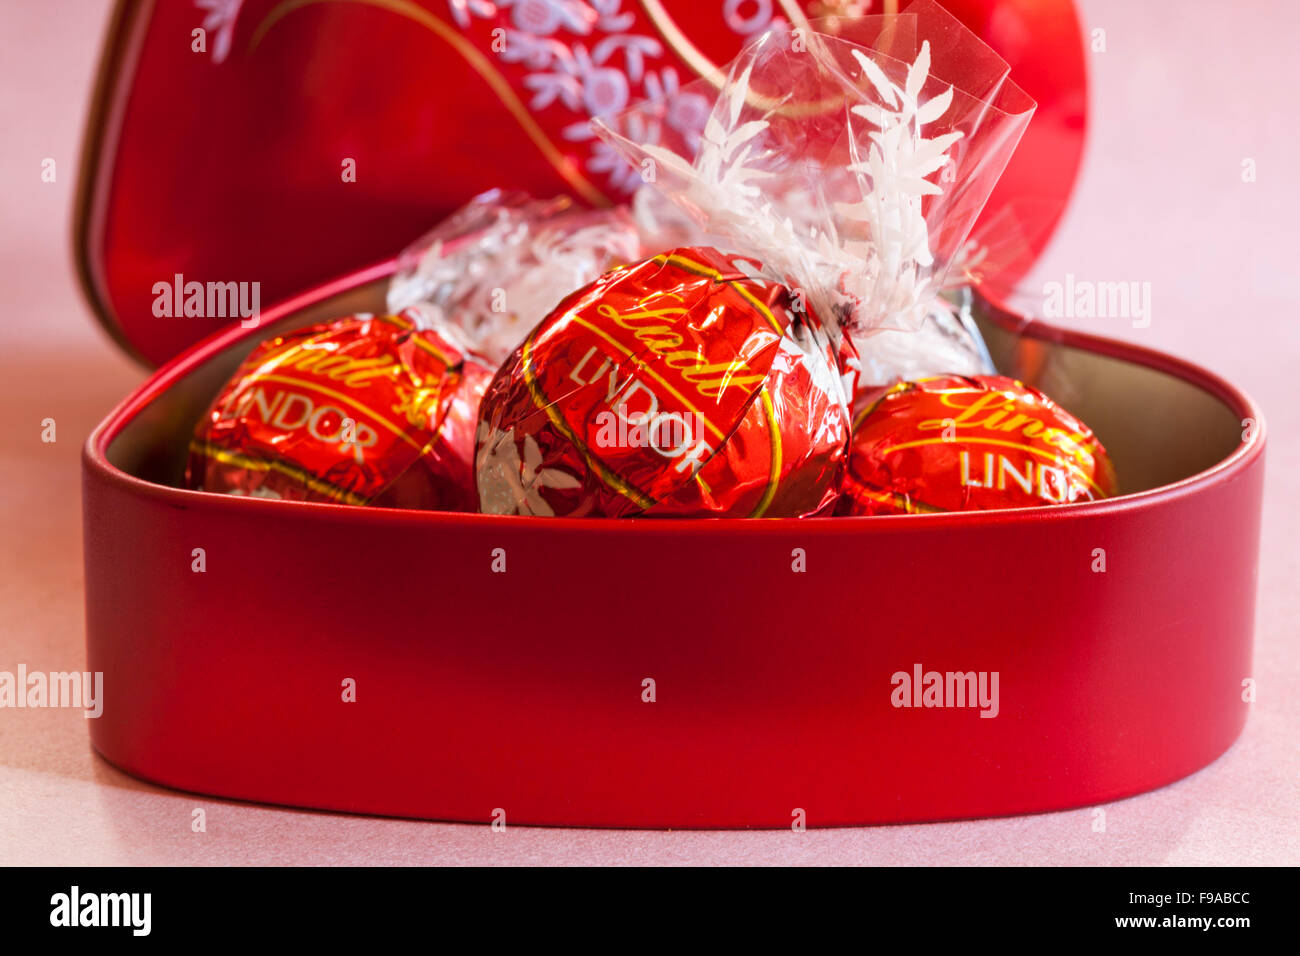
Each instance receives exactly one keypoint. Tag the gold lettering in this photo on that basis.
(419, 405)
(710, 378)
(1069, 442)
(259, 398)
(982, 401)
(353, 372)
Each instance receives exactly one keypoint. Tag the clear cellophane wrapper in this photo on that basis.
(500, 263)
(851, 159)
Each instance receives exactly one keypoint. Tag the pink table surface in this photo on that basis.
(1182, 95)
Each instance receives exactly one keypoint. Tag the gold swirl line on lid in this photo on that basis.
(689, 52)
(683, 47)
(710, 71)
(478, 62)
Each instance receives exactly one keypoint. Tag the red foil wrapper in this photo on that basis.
(682, 386)
(364, 410)
(954, 443)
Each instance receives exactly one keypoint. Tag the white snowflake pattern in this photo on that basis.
(602, 66)
(756, 22)
(619, 67)
(544, 17)
(548, 87)
(550, 39)
(607, 159)
(539, 54)
(463, 11)
(611, 17)
(872, 262)
(220, 21)
(509, 484)
(893, 177)
(687, 113)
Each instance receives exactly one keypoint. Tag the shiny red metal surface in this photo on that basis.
(308, 137)
(501, 663)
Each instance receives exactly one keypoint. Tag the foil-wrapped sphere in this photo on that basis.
(955, 443)
(685, 385)
(369, 409)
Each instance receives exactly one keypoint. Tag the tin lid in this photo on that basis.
(282, 142)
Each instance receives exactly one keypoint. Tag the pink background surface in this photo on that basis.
(1182, 95)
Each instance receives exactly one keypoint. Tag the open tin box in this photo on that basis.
(480, 693)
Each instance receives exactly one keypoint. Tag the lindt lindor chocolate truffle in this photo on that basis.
(364, 410)
(954, 443)
(684, 385)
